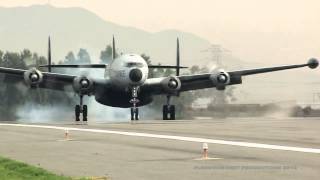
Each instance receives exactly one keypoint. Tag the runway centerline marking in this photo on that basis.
(179, 138)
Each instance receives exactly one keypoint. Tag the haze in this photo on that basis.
(284, 31)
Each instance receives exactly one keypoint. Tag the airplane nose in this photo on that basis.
(135, 75)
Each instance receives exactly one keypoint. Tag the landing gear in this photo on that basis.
(77, 110)
(169, 111)
(134, 101)
(134, 114)
(81, 109)
(85, 113)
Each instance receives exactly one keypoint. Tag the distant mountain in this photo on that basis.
(74, 28)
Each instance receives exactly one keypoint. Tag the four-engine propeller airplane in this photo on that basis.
(126, 83)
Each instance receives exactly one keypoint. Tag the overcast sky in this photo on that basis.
(255, 30)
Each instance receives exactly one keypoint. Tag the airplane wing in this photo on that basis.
(50, 80)
(54, 81)
(219, 79)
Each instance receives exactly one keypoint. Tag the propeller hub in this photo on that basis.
(222, 78)
(313, 63)
(173, 84)
(84, 83)
(34, 77)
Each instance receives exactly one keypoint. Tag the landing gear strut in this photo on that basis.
(134, 101)
(81, 109)
(169, 112)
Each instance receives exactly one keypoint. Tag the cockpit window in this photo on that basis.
(134, 64)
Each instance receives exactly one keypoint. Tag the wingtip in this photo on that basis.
(313, 63)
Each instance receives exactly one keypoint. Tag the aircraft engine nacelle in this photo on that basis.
(171, 84)
(220, 78)
(33, 77)
(83, 85)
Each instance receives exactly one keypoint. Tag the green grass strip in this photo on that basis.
(14, 170)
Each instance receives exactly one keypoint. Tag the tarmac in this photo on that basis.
(239, 148)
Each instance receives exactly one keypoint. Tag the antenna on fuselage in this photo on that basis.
(49, 54)
(113, 48)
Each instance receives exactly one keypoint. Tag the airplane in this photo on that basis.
(126, 83)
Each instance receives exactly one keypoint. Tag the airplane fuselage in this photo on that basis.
(124, 73)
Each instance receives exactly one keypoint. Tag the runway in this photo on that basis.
(267, 148)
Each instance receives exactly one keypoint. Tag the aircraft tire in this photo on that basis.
(172, 112)
(132, 114)
(85, 113)
(165, 112)
(77, 112)
(136, 114)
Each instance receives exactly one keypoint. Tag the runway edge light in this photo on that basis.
(205, 148)
(66, 134)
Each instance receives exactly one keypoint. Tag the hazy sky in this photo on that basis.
(255, 30)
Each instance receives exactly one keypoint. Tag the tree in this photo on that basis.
(12, 95)
(146, 58)
(106, 55)
(13, 60)
(26, 56)
(83, 57)
(1, 59)
(169, 72)
(70, 58)
(41, 61)
(15, 94)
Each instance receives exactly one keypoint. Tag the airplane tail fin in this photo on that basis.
(49, 54)
(177, 67)
(178, 59)
(113, 48)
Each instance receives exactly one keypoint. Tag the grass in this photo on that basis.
(10, 169)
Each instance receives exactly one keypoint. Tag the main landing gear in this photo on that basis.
(169, 112)
(134, 101)
(81, 109)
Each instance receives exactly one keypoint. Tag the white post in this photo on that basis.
(205, 148)
(66, 133)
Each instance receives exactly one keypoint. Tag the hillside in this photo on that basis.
(74, 28)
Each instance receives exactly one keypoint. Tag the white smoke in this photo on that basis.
(31, 113)
(97, 113)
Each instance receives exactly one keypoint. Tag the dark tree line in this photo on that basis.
(15, 94)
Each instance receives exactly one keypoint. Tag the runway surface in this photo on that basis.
(247, 148)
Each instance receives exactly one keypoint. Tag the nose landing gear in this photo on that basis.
(134, 101)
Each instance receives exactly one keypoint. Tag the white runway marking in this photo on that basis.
(205, 159)
(179, 138)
